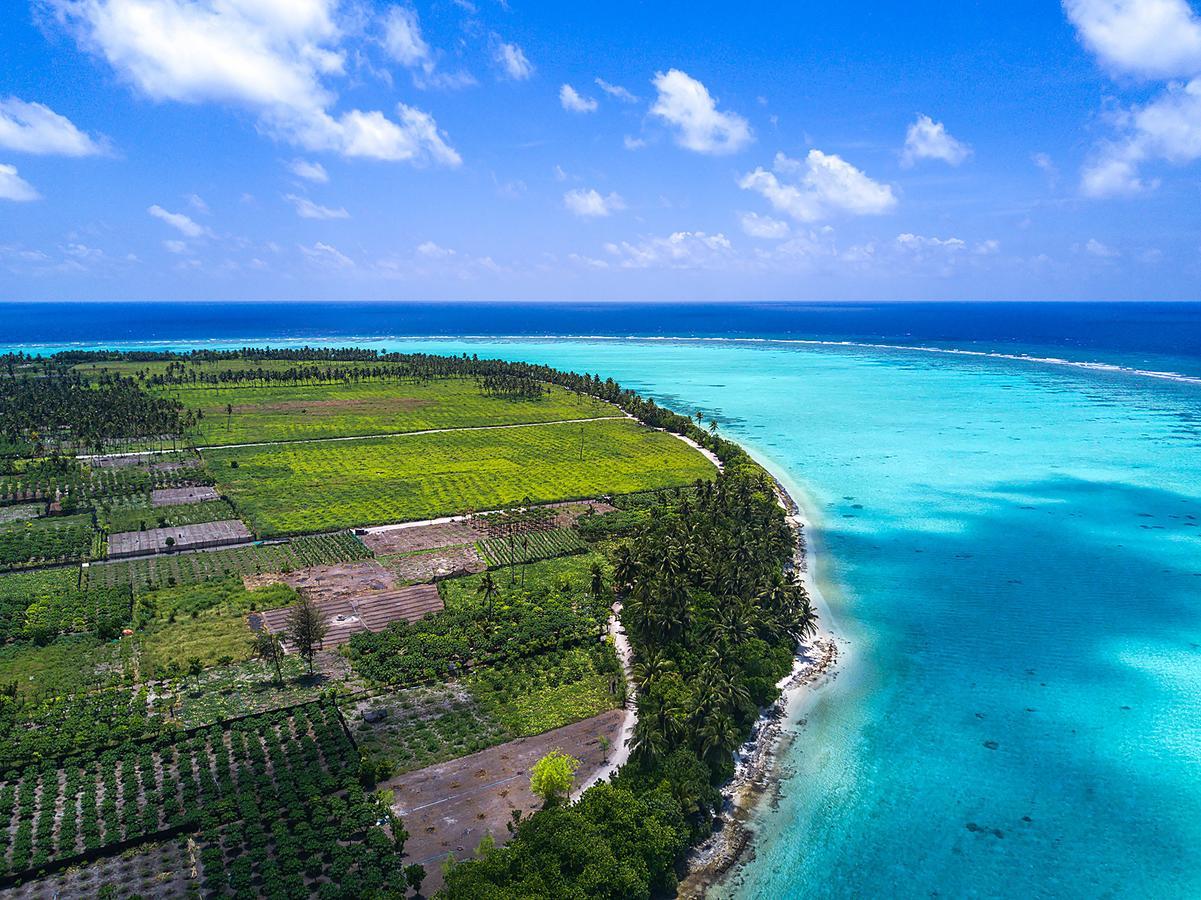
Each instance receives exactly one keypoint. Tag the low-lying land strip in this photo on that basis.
(446, 538)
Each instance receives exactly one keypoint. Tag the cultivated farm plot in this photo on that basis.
(55, 539)
(140, 791)
(135, 514)
(525, 548)
(302, 488)
(190, 568)
(287, 413)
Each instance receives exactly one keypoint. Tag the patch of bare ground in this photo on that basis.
(449, 808)
(340, 581)
(433, 565)
(420, 537)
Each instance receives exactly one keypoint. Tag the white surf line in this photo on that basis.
(621, 751)
(367, 437)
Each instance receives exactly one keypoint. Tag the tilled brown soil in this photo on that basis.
(450, 807)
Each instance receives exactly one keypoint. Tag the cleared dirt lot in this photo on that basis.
(371, 611)
(340, 581)
(448, 808)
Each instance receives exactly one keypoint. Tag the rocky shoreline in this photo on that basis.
(755, 773)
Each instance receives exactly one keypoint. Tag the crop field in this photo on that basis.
(18, 590)
(49, 540)
(204, 621)
(190, 568)
(432, 723)
(288, 413)
(536, 579)
(70, 664)
(79, 483)
(298, 488)
(529, 547)
(141, 789)
(135, 514)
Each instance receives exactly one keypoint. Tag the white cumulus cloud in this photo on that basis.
(764, 227)
(14, 187)
(591, 204)
(405, 44)
(512, 61)
(180, 222)
(36, 128)
(686, 105)
(573, 102)
(1152, 39)
(1148, 38)
(307, 209)
(819, 185)
(927, 139)
(679, 250)
(275, 57)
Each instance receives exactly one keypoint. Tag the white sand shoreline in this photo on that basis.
(756, 773)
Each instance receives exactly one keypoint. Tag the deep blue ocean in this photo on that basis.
(1165, 336)
(1006, 509)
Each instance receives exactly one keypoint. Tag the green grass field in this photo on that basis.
(289, 413)
(204, 621)
(316, 487)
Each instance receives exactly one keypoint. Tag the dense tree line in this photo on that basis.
(714, 621)
(63, 411)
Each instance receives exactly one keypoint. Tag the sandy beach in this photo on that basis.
(755, 775)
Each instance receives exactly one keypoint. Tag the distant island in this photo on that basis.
(342, 623)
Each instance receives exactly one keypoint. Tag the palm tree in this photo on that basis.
(596, 588)
(625, 569)
(488, 588)
(649, 744)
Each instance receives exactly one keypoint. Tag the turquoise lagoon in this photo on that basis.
(1012, 552)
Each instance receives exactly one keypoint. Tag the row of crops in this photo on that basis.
(152, 573)
(530, 547)
(203, 779)
(40, 541)
(137, 514)
(74, 482)
(328, 847)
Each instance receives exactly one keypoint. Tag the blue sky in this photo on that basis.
(189, 149)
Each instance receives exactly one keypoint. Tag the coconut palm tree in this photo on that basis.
(487, 587)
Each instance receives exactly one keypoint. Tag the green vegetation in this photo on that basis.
(205, 621)
(569, 575)
(258, 413)
(552, 776)
(76, 485)
(48, 540)
(19, 590)
(192, 568)
(429, 724)
(479, 630)
(313, 487)
(70, 664)
(550, 690)
(136, 514)
(713, 622)
(529, 547)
